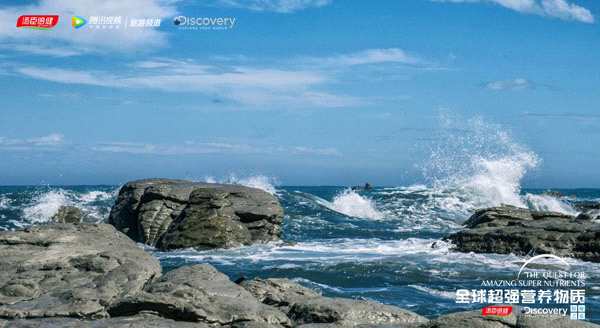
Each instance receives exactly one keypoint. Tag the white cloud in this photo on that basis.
(49, 141)
(280, 6)
(514, 84)
(65, 41)
(561, 9)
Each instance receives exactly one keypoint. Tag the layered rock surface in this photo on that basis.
(200, 293)
(305, 306)
(509, 229)
(173, 214)
(66, 270)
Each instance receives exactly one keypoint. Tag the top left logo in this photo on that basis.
(37, 22)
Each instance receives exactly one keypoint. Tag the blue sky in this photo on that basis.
(311, 92)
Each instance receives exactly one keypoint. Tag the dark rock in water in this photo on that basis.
(586, 206)
(305, 306)
(588, 216)
(509, 229)
(68, 214)
(174, 214)
(199, 293)
(553, 193)
(69, 270)
(138, 321)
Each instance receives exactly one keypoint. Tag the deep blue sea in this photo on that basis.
(382, 244)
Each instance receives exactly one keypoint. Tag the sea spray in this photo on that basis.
(262, 182)
(46, 202)
(45, 205)
(481, 164)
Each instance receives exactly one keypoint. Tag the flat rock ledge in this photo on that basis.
(171, 214)
(91, 275)
(508, 229)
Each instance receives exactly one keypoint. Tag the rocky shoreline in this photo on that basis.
(73, 274)
(91, 275)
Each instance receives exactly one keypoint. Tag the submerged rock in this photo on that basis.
(69, 270)
(68, 214)
(508, 229)
(305, 306)
(174, 214)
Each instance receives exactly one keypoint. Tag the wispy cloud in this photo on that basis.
(280, 6)
(64, 41)
(252, 86)
(49, 141)
(371, 56)
(574, 116)
(302, 82)
(514, 84)
(205, 148)
(561, 9)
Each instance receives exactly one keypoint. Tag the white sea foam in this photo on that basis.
(548, 203)
(96, 195)
(4, 202)
(435, 292)
(326, 252)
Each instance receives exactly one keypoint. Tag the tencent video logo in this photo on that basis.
(37, 22)
(78, 21)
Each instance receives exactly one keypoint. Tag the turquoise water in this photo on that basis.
(382, 244)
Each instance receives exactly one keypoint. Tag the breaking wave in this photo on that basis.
(350, 203)
(95, 204)
(482, 166)
(256, 181)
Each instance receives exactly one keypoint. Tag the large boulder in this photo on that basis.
(508, 229)
(65, 270)
(173, 214)
(305, 306)
(200, 293)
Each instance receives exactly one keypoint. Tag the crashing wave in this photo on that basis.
(256, 181)
(483, 166)
(45, 204)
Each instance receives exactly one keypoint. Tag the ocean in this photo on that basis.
(383, 244)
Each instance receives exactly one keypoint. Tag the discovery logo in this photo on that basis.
(37, 22)
(204, 23)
